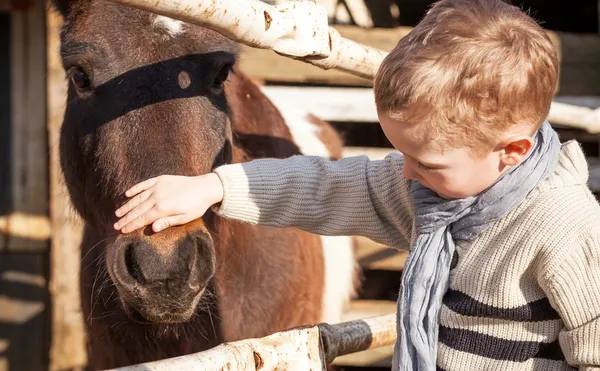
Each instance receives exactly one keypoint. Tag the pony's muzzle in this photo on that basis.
(161, 284)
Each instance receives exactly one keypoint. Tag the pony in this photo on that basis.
(150, 95)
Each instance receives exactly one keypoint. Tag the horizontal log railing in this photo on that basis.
(305, 348)
(299, 29)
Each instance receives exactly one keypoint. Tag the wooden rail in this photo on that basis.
(299, 29)
(358, 104)
(579, 56)
(306, 348)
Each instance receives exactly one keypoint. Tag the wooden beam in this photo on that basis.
(303, 348)
(327, 103)
(579, 57)
(30, 227)
(266, 65)
(68, 346)
(358, 104)
(296, 29)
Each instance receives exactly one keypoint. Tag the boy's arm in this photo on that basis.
(352, 196)
(572, 284)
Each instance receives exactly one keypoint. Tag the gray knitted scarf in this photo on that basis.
(438, 223)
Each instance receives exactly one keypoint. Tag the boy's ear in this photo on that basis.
(62, 6)
(515, 149)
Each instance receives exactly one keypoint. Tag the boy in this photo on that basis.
(504, 270)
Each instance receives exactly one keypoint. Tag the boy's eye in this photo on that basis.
(424, 167)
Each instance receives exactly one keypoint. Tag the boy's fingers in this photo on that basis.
(164, 223)
(141, 221)
(133, 215)
(140, 187)
(129, 205)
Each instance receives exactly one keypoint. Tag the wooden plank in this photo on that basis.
(30, 227)
(327, 103)
(266, 65)
(373, 255)
(578, 54)
(358, 105)
(24, 312)
(29, 159)
(68, 348)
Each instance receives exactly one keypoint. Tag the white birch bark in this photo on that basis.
(578, 117)
(306, 348)
(298, 29)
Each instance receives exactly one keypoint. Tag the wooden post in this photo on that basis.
(23, 262)
(68, 351)
(29, 160)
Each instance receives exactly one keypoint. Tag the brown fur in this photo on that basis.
(209, 281)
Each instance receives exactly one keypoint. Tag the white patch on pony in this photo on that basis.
(172, 26)
(340, 271)
(338, 252)
(304, 133)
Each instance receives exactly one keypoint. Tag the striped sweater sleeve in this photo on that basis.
(351, 196)
(571, 279)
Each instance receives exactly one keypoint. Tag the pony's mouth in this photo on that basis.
(161, 311)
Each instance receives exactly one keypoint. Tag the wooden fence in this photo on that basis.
(299, 30)
(350, 109)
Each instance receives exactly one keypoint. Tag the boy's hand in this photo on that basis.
(168, 200)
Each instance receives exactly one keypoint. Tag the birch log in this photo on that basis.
(578, 117)
(297, 29)
(296, 349)
(305, 348)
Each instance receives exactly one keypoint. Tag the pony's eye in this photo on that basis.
(79, 78)
(222, 76)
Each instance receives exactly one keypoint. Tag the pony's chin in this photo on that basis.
(150, 313)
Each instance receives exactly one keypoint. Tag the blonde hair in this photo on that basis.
(469, 71)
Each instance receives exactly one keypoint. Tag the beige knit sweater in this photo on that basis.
(525, 295)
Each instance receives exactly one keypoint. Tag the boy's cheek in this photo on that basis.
(453, 186)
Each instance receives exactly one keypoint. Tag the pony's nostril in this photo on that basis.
(132, 265)
(203, 266)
